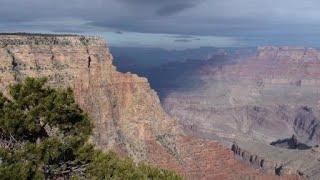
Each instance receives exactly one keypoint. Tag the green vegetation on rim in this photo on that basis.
(44, 135)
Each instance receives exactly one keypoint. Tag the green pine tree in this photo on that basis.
(44, 135)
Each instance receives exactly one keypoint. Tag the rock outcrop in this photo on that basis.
(127, 114)
(270, 159)
(126, 110)
(290, 143)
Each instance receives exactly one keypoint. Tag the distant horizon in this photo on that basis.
(113, 42)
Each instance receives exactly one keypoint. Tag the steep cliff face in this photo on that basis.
(127, 114)
(123, 106)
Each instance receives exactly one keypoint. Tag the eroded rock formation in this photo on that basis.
(123, 106)
(127, 114)
(290, 143)
(254, 101)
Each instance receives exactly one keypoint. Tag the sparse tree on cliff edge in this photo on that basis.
(44, 135)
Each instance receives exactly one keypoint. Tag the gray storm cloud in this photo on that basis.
(248, 19)
(164, 7)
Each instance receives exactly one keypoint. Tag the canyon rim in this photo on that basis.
(127, 114)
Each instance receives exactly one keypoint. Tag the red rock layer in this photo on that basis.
(127, 113)
(204, 159)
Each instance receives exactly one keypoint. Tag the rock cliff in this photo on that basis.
(125, 109)
(127, 114)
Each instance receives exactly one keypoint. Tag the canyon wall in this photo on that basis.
(122, 105)
(257, 99)
(126, 112)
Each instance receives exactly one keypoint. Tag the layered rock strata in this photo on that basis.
(267, 96)
(125, 109)
(126, 112)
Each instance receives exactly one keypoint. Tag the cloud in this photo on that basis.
(183, 37)
(173, 9)
(250, 20)
(183, 40)
(119, 32)
(163, 7)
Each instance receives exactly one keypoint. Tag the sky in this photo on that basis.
(171, 24)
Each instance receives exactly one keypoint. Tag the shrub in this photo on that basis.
(44, 135)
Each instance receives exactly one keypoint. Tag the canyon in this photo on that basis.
(127, 114)
(249, 101)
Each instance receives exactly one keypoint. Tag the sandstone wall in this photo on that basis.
(123, 106)
(127, 114)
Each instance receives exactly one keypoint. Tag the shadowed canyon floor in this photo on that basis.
(127, 113)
